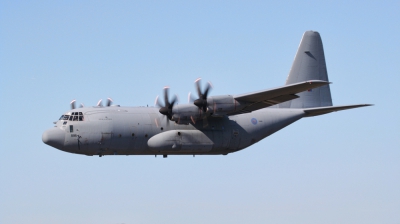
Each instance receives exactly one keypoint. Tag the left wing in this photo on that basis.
(266, 98)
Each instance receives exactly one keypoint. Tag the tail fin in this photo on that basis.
(309, 64)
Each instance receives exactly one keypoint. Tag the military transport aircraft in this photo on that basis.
(209, 125)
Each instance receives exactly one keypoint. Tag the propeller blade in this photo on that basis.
(109, 101)
(208, 88)
(174, 100)
(99, 104)
(155, 121)
(193, 120)
(166, 98)
(198, 87)
(157, 102)
(72, 104)
(191, 98)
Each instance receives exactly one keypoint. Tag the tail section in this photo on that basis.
(309, 64)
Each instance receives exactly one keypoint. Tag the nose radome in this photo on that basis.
(54, 137)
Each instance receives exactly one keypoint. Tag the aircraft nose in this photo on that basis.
(54, 137)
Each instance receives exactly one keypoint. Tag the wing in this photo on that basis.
(266, 98)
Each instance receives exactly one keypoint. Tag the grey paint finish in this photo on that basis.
(309, 64)
(222, 135)
(230, 123)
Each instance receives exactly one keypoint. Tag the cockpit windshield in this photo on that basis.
(75, 116)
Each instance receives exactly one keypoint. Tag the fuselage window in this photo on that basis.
(62, 116)
(71, 117)
(75, 118)
(71, 128)
(80, 118)
(66, 117)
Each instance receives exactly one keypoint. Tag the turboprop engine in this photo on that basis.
(217, 106)
(200, 109)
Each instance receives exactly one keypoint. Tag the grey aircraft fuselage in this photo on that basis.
(212, 125)
(131, 131)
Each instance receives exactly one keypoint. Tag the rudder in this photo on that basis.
(309, 64)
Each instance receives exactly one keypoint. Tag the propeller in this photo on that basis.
(166, 109)
(73, 104)
(99, 103)
(109, 102)
(201, 102)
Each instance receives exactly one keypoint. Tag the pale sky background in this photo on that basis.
(342, 167)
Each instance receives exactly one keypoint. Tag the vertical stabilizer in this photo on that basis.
(309, 64)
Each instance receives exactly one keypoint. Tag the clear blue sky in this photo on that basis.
(338, 168)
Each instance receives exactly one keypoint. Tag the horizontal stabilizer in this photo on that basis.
(310, 112)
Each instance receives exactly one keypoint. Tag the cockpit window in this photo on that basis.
(75, 116)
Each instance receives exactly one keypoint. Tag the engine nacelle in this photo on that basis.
(217, 106)
(221, 105)
(186, 113)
